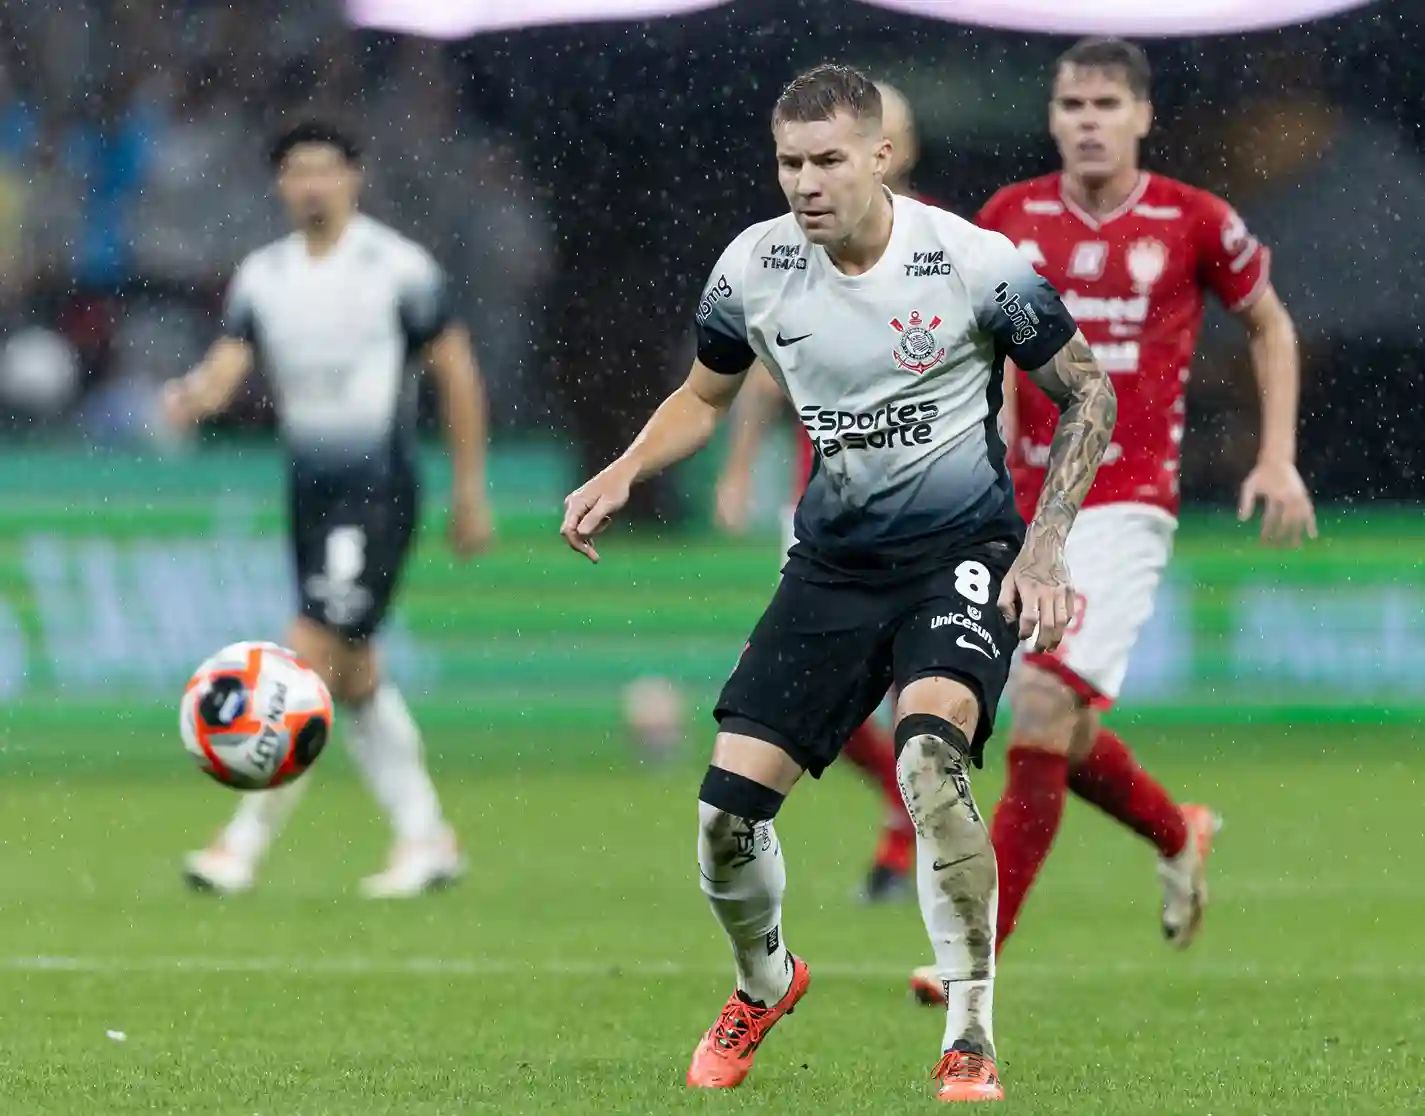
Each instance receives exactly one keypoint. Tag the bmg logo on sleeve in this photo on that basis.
(717, 292)
(1021, 314)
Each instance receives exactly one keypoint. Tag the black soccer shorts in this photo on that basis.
(822, 657)
(350, 540)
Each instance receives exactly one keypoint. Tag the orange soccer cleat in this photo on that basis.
(966, 1076)
(724, 1058)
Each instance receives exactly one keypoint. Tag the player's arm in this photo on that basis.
(683, 424)
(1038, 590)
(686, 420)
(461, 391)
(1276, 363)
(757, 405)
(431, 329)
(1236, 267)
(1088, 408)
(1032, 327)
(210, 386)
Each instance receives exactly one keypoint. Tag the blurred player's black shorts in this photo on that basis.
(822, 657)
(351, 533)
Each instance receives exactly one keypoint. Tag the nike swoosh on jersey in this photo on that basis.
(968, 646)
(783, 342)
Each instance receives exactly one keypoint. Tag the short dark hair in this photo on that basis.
(1112, 54)
(825, 90)
(313, 131)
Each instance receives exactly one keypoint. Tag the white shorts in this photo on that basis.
(1116, 555)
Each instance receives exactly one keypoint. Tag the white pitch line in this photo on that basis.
(1040, 971)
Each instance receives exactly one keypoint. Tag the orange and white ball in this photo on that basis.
(254, 716)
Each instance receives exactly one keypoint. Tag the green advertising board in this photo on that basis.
(118, 575)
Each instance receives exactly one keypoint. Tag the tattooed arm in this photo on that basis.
(1037, 591)
(1087, 410)
(1031, 326)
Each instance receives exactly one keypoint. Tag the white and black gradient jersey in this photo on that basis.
(336, 335)
(896, 375)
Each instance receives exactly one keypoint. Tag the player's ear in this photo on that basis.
(1143, 118)
(885, 149)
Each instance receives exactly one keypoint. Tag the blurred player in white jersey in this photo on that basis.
(1135, 255)
(336, 312)
(869, 747)
(888, 330)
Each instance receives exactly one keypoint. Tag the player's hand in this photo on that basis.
(180, 403)
(587, 510)
(472, 524)
(731, 500)
(1037, 593)
(1288, 511)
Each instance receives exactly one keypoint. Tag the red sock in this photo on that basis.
(870, 748)
(1025, 822)
(1111, 779)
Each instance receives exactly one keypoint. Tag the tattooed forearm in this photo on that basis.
(1088, 408)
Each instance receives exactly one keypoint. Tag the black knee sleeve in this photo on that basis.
(927, 724)
(739, 796)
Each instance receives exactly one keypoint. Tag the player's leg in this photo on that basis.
(1117, 554)
(1123, 551)
(229, 864)
(1104, 772)
(1026, 819)
(871, 750)
(952, 655)
(368, 539)
(955, 875)
(744, 877)
(387, 747)
(802, 683)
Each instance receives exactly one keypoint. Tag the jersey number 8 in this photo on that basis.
(972, 581)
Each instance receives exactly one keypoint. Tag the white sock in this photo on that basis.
(744, 878)
(386, 745)
(259, 818)
(958, 883)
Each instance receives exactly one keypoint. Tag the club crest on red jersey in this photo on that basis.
(1147, 259)
(918, 350)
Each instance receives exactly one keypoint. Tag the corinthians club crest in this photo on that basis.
(917, 351)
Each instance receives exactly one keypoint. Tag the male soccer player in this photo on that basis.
(336, 311)
(869, 746)
(1134, 255)
(911, 565)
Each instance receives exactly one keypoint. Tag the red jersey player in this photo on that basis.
(1133, 256)
(870, 747)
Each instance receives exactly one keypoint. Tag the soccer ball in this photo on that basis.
(254, 716)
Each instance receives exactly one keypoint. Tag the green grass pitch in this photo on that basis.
(576, 967)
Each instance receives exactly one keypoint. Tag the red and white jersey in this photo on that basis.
(1134, 280)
